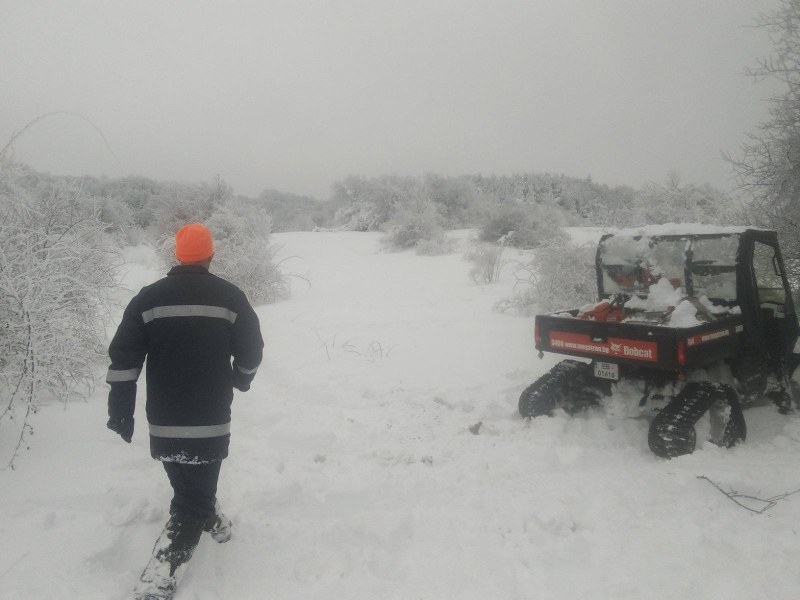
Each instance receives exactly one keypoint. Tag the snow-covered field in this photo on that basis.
(379, 455)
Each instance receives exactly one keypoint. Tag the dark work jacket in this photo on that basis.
(188, 325)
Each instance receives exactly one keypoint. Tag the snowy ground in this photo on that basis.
(379, 455)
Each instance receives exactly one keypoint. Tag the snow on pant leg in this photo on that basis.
(173, 548)
(183, 532)
(195, 488)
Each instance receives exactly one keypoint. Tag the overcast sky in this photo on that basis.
(295, 95)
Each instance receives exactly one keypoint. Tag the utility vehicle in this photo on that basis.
(698, 318)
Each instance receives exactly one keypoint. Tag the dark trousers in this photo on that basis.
(195, 488)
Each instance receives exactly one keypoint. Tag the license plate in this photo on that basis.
(605, 370)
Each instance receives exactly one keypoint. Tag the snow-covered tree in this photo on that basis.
(678, 202)
(768, 166)
(57, 274)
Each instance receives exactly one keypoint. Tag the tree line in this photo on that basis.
(522, 207)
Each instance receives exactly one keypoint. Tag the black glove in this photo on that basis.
(241, 380)
(123, 426)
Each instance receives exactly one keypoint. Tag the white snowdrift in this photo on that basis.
(355, 473)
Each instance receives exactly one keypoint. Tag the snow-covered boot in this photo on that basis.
(219, 526)
(173, 548)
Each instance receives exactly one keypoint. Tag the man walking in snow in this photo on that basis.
(188, 325)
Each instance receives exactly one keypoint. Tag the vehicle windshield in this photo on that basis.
(632, 265)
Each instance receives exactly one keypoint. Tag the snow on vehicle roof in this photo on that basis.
(681, 229)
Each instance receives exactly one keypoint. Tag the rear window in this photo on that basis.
(631, 265)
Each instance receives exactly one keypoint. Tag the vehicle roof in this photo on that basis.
(680, 229)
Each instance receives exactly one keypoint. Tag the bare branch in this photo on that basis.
(740, 499)
(52, 114)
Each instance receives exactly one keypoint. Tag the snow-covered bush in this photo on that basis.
(558, 276)
(367, 204)
(522, 226)
(242, 253)
(359, 216)
(291, 212)
(455, 197)
(487, 262)
(502, 221)
(417, 221)
(57, 274)
(178, 204)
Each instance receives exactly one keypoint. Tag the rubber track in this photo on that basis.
(564, 385)
(672, 432)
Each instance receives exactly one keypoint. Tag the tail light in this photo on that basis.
(681, 353)
(537, 337)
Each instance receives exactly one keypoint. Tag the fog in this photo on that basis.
(297, 95)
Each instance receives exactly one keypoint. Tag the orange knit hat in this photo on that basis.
(193, 243)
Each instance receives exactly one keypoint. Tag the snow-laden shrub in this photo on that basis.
(456, 198)
(367, 204)
(522, 226)
(242, 253)
(244, 256)
(487, 262)
(416, 221)
(359, 216)
(290, 212)
(558, 276)
(57, 274)
(117, 215)
(504, 220)
(177, 204)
